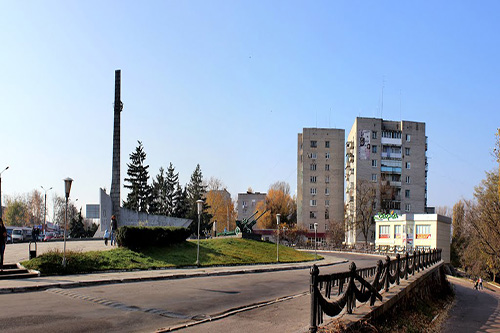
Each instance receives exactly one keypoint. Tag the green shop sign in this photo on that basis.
(382, 216)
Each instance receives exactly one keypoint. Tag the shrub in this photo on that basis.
(136, 238)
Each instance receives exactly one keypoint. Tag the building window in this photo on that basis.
(327, 227)
(327, 203)
(327, 167)
(408, 165)
(408, 137)
(397, 231)
(423, 231)
(311, 226)
(313, 167)
(327, 144)
(327, 179)
(313, 202)
(374, 177)
(407, 207)
(407, 193)
(374, 149)
(313, 190)
(407, 151)
(327, 191)
(327, 214)
(374, 134)
(312, 155)
(408, 180)
(313, 179)
(327, 155)
(384, 231)
(312, 215)
(374, 163)
(314, 143)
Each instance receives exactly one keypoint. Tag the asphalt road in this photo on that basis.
(149, 306)
(474, 310)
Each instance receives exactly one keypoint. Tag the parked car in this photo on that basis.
(17, 235)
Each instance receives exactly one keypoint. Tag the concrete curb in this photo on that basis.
(77, 284)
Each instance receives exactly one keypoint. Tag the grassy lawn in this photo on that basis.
(221, 251)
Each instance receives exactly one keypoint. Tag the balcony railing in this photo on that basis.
(391, 155)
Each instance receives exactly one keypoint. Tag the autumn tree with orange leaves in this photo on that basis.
(221, 206)
(278, 201)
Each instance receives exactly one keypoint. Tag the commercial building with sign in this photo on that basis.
(388, 159)
(414, 232)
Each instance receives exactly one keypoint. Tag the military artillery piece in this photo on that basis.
(245, 227)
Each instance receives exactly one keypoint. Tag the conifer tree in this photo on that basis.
(158, 203)
(196, 190)
(171, 196)
(139, 197)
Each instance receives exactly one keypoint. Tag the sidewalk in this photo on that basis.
(80, 280)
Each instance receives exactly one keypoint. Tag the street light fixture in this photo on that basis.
(44, 227)
(199, 204)
(1, 210)
(315, 241)
(278, 237)
(67, 189)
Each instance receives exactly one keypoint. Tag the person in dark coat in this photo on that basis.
(3, 241)
(114, 227)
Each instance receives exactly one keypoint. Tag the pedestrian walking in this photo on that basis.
(3, 241)
(114, 227)
(480, 280)
(476, 283)
(106, 237)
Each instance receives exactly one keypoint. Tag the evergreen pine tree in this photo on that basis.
(139, 197)
(181, 209)
(158, 203)
(171, 192)
(76, 227)
(196, 190)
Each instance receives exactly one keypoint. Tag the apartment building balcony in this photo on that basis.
(391, 141)
(391, 155)
(387, 169)
(395, 184)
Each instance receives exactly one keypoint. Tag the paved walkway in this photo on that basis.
(19, 252)
(474, 310)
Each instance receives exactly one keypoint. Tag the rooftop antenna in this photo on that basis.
(382, 103)
(330, 118)
(400, 117)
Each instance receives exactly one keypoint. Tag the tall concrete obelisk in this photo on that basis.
(115, 177)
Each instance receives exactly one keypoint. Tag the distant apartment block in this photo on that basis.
(247, 203)
(390, 155)
(320, 179)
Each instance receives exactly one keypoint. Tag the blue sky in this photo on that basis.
(229, 84)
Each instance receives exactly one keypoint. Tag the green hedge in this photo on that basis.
(136, 238)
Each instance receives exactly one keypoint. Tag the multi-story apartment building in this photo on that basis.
(389, 159)
(320, 179)
(247, 203)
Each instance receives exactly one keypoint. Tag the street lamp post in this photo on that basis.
(215, 228)
(315, 241)
(278, 237)
(44, 227)
(199, 204)
(67, 189)
(1, 210)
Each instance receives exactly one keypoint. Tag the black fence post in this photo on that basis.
(398, 268)
(407, 267)
(388, 273)
(314, 302)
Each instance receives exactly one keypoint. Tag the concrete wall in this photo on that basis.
(133, 218)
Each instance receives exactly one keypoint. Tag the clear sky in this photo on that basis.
(230, 84)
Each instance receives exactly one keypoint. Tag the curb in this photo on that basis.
(68, 285)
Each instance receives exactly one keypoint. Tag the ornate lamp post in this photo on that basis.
(1, 211)
(278, 237)
(67, 189)
(199, 204)
(315, 241)
(44, 227)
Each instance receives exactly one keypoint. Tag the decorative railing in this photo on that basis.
(353, 285)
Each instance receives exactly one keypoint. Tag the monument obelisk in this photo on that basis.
(115, 177)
